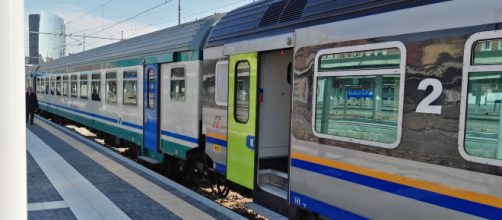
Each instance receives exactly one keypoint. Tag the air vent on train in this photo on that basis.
(273, 13)
(293, 10)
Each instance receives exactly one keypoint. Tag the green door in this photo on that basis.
(242, 92)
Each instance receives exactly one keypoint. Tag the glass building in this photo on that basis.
(47, 41)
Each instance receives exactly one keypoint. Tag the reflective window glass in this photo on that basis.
(96, 87)
(178, 84)
(58, 85)
(487, 52)
(130, 90)
(242, 71)
(483, 133)
(360, 107)
(84, 91)
(111, 88)
(221, 93)
(151, 88)
(73, 86)
(370, 59)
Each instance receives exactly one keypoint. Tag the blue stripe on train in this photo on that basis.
(437, 199)
(128, 124)
(320, 207)
(216, 141)
(180, 136)
(220, 168)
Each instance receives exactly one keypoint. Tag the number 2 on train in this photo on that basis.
(425, 106)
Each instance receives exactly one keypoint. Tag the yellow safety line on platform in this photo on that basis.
(156, 193)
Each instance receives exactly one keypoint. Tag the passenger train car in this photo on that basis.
(327, 109)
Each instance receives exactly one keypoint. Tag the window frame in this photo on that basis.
(178, 79)
(52, 87)
(116, 85)
(70, 80)
(59, 81)
(80, 81)
(124, 80)
(470, 67)
(91, 85)
(236, 90)
(362, 72)
(65, 79)
(223, 104)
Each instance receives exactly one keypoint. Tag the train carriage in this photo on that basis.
(377, 101)
(377, 106)
(332, 109)
(144, 91)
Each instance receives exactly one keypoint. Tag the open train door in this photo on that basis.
(151, 108)
(242, 101)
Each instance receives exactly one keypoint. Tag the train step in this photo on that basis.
(274, 182)
(149, 160)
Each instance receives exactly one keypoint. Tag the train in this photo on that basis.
(322, 109)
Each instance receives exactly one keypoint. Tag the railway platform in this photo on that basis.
(71, 177)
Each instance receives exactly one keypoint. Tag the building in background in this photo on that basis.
(46, 37)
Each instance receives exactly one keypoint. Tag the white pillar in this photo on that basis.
(13, 199)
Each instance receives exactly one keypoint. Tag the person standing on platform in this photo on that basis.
(31, 105)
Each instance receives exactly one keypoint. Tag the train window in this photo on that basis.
(151, 88)
(73, 86)
(388, 58)
(359, 93)
(130, 88)
(84, 91)
(221, 87)
(53, 85)
(96, 87)
(480, 137)
(38, 85)
(111, 88)
(65, 85)
(178, 84)
(241, 102)
(46, 85)
(58, 85)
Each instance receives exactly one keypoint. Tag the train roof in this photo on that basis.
(185, 37)
(273, 17)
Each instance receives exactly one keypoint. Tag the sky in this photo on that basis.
(99, 18)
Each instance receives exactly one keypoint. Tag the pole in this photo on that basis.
(83, 42)
(179, 12)
(13, 199)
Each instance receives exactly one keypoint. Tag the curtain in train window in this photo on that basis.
(111, 88)
(130, 90)
(178, 84)
(359, 106)
(242, 92)
(96, 87)
(483, 126)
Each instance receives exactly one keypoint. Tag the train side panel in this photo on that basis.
(424, 176)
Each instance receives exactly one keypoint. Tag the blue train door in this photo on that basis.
(151, 108)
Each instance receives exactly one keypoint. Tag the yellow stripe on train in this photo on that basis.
(420, 184)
